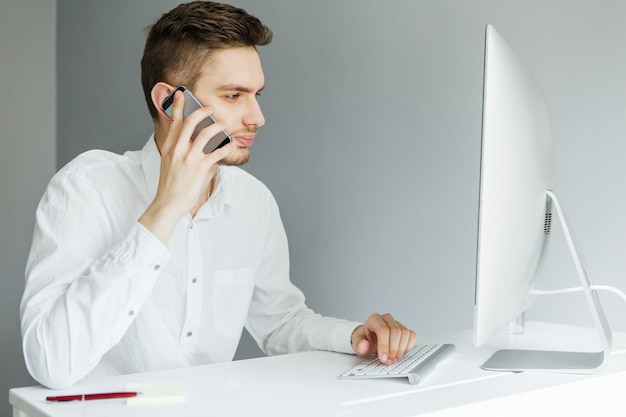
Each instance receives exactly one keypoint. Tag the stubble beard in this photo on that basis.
(241, 157)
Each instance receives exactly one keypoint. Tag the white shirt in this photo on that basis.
(104, 296)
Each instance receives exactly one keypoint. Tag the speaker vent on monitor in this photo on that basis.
(547, 223)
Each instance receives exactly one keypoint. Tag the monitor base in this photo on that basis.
(515, 360)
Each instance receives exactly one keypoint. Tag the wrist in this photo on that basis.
(352, 337)
(160, 222)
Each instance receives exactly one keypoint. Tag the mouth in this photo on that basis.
(244, 141)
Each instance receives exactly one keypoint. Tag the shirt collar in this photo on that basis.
(151, 166)
(220, 197)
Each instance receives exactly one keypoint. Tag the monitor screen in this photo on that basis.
(516, 170)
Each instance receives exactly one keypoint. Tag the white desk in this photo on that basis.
(306, 384)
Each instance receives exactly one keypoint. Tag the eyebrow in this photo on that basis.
(237, 87)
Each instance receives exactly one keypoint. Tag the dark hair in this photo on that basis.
(180, 43)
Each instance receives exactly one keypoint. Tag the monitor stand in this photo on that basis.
(517, 360)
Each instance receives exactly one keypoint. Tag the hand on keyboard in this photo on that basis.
(383, 335)
(414, 365)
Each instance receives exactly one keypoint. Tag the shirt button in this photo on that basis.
(194, 280)
(131, 312)
(189, 334)
(157, 267)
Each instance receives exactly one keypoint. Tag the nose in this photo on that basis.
(254, 115)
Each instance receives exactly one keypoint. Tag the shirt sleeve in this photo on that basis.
(87, 278)
(279, 319)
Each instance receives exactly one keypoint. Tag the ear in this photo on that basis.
(159, 93)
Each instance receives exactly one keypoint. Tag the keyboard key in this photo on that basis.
(415, 364)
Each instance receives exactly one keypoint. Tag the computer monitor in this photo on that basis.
(515, 213)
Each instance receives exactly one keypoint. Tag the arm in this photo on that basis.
(86, 279)
(278, 318)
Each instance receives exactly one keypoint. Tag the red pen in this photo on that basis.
(87, 397)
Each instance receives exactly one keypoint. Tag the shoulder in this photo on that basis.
(96, 159)
(94, 167)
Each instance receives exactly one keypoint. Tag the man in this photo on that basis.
(158, 258)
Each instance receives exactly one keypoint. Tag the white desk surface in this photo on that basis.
(306, 384)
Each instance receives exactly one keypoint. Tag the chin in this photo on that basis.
(240, 158)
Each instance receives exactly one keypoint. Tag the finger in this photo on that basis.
(406, 341)
(220, 153)
(190, 124)
(377, 333)
(412, 340)
(206, 135)
(176, 122)
(364, 348)
(359, 342)
(395, 337)
(178, 105)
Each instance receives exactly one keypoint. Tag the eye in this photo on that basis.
(233, 97)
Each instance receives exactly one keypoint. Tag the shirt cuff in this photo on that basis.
(138, 257)
(341, 336)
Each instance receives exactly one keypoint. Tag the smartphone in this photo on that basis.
(192, 104)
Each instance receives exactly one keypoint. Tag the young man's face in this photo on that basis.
(231, 82)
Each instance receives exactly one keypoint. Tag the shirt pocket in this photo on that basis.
(232, 293)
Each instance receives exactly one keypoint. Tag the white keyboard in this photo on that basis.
(414, 365)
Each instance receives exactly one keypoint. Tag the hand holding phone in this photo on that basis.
(192, 104)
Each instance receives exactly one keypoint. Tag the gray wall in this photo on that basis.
(27, 149)
(372, 140)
